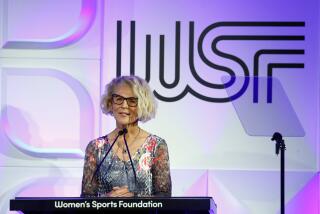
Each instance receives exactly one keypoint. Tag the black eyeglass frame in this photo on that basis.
(127, 99)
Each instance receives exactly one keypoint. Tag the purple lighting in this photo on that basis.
(307, 200)
(86, 19)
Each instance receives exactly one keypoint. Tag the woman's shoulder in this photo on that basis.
(154, 142)
(97, 143)
(156, 139)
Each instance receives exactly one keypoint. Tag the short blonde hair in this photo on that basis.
(147, 104)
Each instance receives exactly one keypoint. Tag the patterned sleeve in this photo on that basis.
(161, 171)
(89, 185)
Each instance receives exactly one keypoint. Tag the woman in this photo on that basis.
(140, 168)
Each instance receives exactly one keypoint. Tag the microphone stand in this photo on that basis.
(121, 132)
(282, 147)
(125, 131)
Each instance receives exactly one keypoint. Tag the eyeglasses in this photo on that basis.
(131, 101)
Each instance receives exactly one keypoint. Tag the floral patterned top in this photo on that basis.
(151, 163)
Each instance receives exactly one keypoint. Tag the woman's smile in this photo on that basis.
(124, 114)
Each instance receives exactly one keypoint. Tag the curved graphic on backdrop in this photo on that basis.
(86, 111)
(86, 19)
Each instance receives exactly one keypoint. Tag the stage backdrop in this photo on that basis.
(227, 74)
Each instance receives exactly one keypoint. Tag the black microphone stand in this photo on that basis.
(121, 132)
(125, 131)
(282, 147)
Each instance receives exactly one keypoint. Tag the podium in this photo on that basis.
(192, 205)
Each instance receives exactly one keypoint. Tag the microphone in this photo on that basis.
(124, 131)
(279, 142)
(121, 132)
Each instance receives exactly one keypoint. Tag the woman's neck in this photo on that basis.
(132, 129)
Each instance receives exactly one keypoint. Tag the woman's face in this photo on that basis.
(124, 110)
